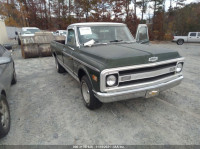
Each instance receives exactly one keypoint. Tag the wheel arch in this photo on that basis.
(181, 39)
(83, 71)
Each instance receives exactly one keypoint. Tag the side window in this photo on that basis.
(71, 37)
(199, 34)
(193, 34)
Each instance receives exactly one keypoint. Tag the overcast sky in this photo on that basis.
(167, 4)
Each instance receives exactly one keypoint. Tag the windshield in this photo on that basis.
(30, 31)
(104, 34)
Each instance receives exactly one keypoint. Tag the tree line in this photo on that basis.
(58, 14)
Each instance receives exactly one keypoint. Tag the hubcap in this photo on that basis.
(4, 115)
(85, 92)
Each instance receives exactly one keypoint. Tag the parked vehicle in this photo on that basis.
(7, 77)
(111, 65)
(61, 33)
(26, 32)
(8, 46)
(192, 37)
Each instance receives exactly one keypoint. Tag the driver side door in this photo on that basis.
(68, 50)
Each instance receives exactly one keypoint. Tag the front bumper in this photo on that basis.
(135, 93)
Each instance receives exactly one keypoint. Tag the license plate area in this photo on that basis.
(152, 93)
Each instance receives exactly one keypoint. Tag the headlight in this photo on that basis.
(179, 67)
(111, 80)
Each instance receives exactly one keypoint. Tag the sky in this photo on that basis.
(167, 4)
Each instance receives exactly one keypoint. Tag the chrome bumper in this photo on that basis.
(135, 93)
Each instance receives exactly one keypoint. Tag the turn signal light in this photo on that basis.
(94, 78)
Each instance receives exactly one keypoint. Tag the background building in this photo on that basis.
(3, 33)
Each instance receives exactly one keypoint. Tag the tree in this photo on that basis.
(142, 4)
(85, 7)
(179, 3)
(117, 7)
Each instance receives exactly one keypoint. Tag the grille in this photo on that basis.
(147, 69)
(145, 75)
(146, 80)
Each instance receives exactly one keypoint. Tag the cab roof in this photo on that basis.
(25, 28)
(97, 24)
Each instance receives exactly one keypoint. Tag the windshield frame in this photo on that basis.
(91, 25)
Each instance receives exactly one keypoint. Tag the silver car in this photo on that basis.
(7, 78)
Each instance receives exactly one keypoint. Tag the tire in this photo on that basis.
(14, 78)
(90, 101)
(19, 41)
(4, 117)
(59, 68)
(180, 42)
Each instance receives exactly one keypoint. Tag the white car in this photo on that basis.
(192, 37)
(61, 33)
(27, 31)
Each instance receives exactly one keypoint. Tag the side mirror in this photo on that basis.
(16, 33)
(142, 35)
(5, 60)
(8, 46)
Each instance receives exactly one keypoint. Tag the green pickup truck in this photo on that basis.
(112, 65)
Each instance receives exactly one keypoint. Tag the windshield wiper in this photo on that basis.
(116, 40)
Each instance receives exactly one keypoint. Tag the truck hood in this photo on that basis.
(119, 55)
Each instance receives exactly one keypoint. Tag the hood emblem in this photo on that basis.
(153, 59)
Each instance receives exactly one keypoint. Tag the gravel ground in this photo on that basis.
(47, 108)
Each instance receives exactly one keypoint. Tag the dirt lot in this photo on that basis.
(46, 108)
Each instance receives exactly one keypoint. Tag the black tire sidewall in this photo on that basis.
(59, 68)
(84, 80)
(180, 42)
(14, 78)
(94, 103)
(19, 41)
(3, 131)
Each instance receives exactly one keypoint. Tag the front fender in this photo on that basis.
(89, 72)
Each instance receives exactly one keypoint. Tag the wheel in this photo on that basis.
(19, 41)
(59, 68)
(14, 78)
(90, 101)
(4, 117)
(180, 42)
